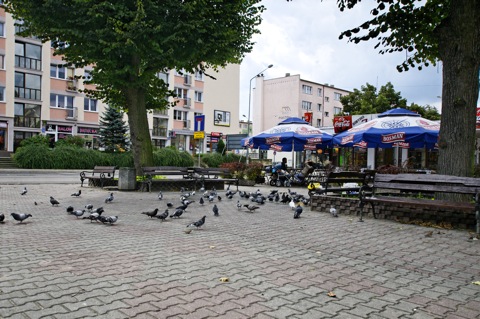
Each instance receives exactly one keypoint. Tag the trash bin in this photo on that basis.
(127, 179)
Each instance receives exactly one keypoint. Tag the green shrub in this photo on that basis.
(36, 139)
(212, 159)
(169, 156)
(72, 140)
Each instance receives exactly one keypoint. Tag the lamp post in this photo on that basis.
(249, 103)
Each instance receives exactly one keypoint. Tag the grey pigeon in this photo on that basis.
(24, 192)
(201, 201)
(78, 213)
(198, 223)
(103, 219)
(20, 217)
(93, 217)
(89, 206)
(163, 215)
(333, 212)
(2, 218)
(151, 213)
(177, 213)
(298, 212)
(53, 201)
(77, 194)
(215, 210)
(109, 199)
(112, 219)
(251, 208)
(160, 195)
(239, 205)
(99, 210)
(70, 209)
(169, 205)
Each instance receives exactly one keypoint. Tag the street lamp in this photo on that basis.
(249, 103)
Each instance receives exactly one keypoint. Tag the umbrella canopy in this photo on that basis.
(397, 127)
(291, 134)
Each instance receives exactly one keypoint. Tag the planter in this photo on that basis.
(246, 182)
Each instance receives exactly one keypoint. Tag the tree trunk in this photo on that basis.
(460, 54)
(139, 130)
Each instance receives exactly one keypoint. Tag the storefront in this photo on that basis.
(57, 132)
(3, 136)
(90, 134)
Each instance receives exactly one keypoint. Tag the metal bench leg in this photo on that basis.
(361, 211)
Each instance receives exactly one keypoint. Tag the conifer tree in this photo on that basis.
(113, 130)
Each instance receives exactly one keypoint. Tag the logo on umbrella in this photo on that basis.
(272, 140)
(347, 139)
(392, 138)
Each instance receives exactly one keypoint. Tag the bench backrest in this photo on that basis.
(213, 171)
(104, 169)
(428, 183)
(346, 177)
(165, 170)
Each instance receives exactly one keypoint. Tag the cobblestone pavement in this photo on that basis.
(55, 266)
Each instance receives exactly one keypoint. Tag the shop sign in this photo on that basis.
(66, 129)
(216, 134)
(87, 130)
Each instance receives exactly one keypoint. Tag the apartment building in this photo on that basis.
(40, 95)
(290, 96)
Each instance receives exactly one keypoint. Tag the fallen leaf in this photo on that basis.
(224, 279)
(331, 294)
(476, 283)
(211, 247)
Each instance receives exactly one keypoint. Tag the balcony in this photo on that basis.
(28, 63)
(159, 131)
(160, 112)
(72, 85)
(29, 94)
(187, 103)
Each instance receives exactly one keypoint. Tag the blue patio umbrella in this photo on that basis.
(394, 128)
(291, 134)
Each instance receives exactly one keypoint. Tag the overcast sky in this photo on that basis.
(301, 37)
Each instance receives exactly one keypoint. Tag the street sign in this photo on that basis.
(216, 134)
(199, 123)
(198, 135)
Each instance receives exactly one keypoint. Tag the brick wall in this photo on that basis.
(404, 213)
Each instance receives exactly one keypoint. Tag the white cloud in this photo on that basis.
(301, 37)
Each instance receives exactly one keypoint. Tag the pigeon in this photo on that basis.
(151, 214)
(201, 201)
(215, 210)
(182, 207)
(2, 218)
(177, 213)
(160, 195)
(35, 203)
(109, 199)
(239, 205)
(169, 205)
(24, 192)
(53, 201)
(20, 217)
(98, 210)
(219, 198)
(103, 219)
(251, 208)
(187, 230)
(111, 219)
(92, 217)
(70, 209)
(78, 213)
(77, 194)
(292, 204)
(89, 206)
(163, 215)
(198, 223)
(298, 212)
(333, 212)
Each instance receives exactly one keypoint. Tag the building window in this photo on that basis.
(306, 105)
(20, 136)
(326, 114)
(159, 143)
(61, 101)
(337, 96)
(181, 93)
(87, 75)
(179, 115)
(319, 123)
(2, 29)
(27, 115)
(319, 92)
(19, 26)
(198, 96)
(337, 110)
(319, 107)
(327, 99)
(27, 86)
(306, 89)
(2, 62)
(159, 127)
(58, 71)
(90, 105)
(199, 76)
(163, 76)
(28, 56)
(2, 94)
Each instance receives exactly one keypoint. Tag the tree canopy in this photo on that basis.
(130, 41)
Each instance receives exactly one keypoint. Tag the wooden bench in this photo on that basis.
(224, 175)
(335, 183)
(419, 189)
(169, 171)
(100, 174)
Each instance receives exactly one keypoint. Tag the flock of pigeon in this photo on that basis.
(255, 200)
